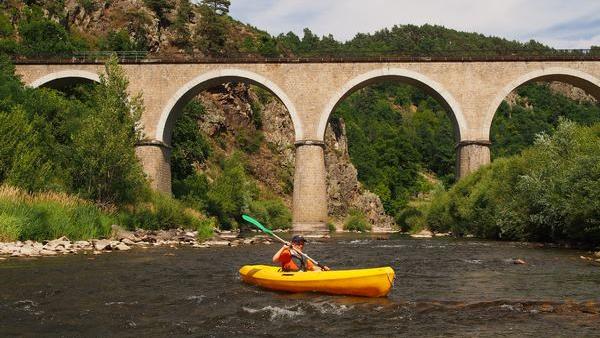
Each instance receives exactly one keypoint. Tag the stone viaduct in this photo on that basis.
(470, 91)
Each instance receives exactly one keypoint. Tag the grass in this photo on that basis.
(49, 215)
(43, 216)
(165, 212)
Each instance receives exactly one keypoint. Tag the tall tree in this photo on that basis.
(219, 7)
(211, 33)
(184, 14)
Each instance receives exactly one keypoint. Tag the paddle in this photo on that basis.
(269, 232)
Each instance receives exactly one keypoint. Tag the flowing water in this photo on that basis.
(443, 287)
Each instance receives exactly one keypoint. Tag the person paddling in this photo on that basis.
(291, 259)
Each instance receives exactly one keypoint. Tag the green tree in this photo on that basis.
(118, 41)
(106, 168)
(6, 28)
(220, 7)
(40, 35)
(231, 193)
(211, 33)
(190, 146)
(182, 32)
(161, 8)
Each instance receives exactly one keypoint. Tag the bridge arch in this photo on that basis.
(585, 81)
(177, 102)
(419, 80)
(64, 77)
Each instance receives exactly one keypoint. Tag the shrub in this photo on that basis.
(230, 194)
(192, 191)
(161, 212)
(273, 212)
(249, 141)
(356, 221)
(205, 227)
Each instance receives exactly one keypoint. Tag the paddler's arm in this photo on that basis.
(278, 253)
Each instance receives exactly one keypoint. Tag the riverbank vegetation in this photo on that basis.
(547, 193)
(72, 156)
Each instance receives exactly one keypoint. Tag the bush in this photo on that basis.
(192, 191)
(230, 194)
(206, 226)
(162, 212)
(249, 141)
(272, 212)
(356, 221)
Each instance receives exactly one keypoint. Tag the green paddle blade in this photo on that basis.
(257, 224)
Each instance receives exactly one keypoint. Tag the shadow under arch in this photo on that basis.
(64, 78)
(436, 90)
(177, 102)
(582, 80)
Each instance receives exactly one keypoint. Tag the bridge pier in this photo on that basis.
(471, 155)
(156, 163)
(310, 188)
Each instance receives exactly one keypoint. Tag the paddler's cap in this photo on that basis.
(298, 239)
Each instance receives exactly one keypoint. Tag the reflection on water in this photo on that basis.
(443, 287)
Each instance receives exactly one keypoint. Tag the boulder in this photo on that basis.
(127, 241)
(121, 247)
(54, 244)
(83, 244)
(120, 233)
(597, 254)
(101, 244)
(28, 251)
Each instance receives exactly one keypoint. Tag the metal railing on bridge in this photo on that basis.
(323, 56)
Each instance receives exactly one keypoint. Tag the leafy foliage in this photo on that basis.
(190, 146)
(514, 128)
(356, 221)
(395, 132)
(211, 32)
(107, 168)
(546, 193)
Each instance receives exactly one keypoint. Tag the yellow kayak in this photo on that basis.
(375, 282)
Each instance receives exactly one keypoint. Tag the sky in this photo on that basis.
(558, 23)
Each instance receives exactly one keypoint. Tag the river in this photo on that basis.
(444, 287)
